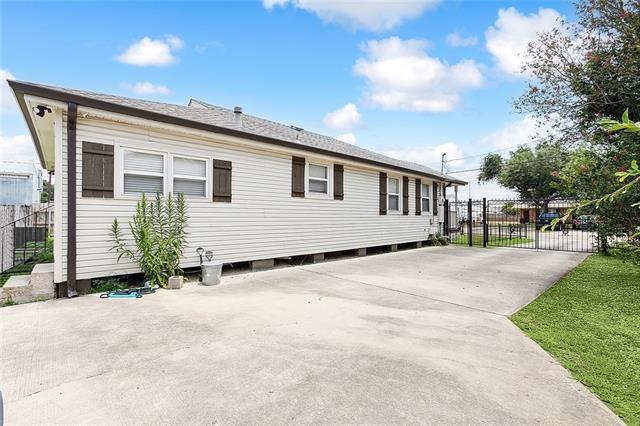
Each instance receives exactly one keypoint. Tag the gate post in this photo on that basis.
(470, 222)
(485, 225)
(535, 228)
(445, 231)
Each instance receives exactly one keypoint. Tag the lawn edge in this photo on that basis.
(591, 394)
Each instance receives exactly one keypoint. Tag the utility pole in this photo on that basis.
(444, 156)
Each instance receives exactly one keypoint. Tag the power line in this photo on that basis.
(533, 160)
(462, 171)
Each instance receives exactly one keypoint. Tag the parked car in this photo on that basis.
(584, 222)
(545, 219)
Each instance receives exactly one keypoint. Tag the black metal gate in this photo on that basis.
(519, 224)
(22, 240)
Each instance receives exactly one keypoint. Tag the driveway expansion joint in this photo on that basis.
(433, 299)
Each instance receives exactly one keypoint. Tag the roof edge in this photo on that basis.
(22, 104)
(24, 88)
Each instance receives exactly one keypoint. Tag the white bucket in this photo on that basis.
(211, 273)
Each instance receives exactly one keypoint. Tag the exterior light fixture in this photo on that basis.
(41, 110)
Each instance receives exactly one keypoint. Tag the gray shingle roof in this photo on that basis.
(205, 113)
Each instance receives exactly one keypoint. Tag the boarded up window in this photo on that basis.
(97, 170)
(221, 181)
(383, 193)
(418, 197)
(297, 177)
(338, 182)
(435, 198)
(405, 195)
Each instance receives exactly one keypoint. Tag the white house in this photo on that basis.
(20, 183)
(256, 189)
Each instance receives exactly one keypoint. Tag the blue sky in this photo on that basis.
(410, 79)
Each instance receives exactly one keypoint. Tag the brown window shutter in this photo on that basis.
(418, 197)
(338, 182)
(97, 170)
(297, 177)
(405, 195)
(383, 193)
(221, 181)
(435, 198)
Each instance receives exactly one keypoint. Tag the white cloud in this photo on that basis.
(372, 15)
(456, 39)
(402, 76)
(427, 155)
(348, 138)
(175, 42)
(148, 88)
(201, 48)
(475, 190)
(345, 118)
(507, 40)
(149, 52)
(521, 132)
(17, 148)
(512, 134)
(7, 102)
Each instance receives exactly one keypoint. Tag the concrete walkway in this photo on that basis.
(417, 336)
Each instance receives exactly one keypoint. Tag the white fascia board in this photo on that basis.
(56, 111)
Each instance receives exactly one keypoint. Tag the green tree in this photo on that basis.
(627, 193)
(532, 173)
(585, 70)
(581, 73)
(490, 168)
(509, 209)
(46, 195)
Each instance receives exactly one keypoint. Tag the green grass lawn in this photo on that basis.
(23, 269)
(590, 322)
(493, 240)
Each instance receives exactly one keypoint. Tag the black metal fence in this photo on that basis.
(24, 239)
(519, 224)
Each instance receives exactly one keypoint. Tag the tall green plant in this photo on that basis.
(158, 231)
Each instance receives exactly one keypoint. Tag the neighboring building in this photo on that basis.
(20, 183)
(527, 211)
(257, 190)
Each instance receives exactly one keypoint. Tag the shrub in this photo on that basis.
(433, 240)
(627, 251)
(104, 285)
(443, 240)
(46, 255)
(158, 231)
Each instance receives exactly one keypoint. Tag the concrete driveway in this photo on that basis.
(417, 336)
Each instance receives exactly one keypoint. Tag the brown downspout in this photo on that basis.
(71, 199)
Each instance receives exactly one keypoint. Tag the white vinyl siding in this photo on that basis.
(262, 222)
(393, 194)
(425, 193)
(143, 172)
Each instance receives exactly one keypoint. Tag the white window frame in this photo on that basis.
(206, 178)
(399, 194)
(121, 170)
(428, 197)
(329, 179)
